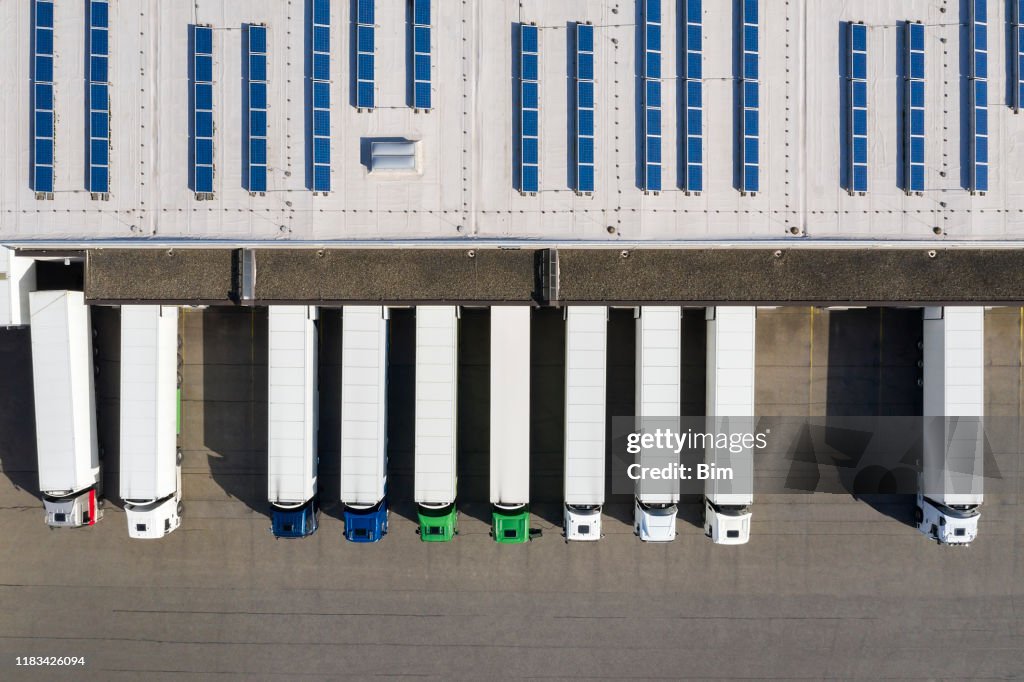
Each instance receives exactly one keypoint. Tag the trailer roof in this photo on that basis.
(149, 397)
(586, 348)
(510, 405)
(364, 359)
(437, 339)
(291, 401)
(62, 377)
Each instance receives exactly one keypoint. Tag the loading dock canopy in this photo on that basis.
(765, 276)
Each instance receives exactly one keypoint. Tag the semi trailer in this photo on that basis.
(658, 391)
(292, 421)
(510, 423)
(17, 279)
(730, 410)
(364, 453)
(437, 339)
(150, 458)
(62, 378)
(586, 345)
(950, 487)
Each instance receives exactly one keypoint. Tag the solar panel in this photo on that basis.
(202, 111)
(914, 110)
(693, 93)
(42, 180)
(584, 108)
(320, 96)
(978, 31)
(750, 96)
(256, 109)
(98, 146)
(421, 92)
(365, 39)
(529, 131)
(1018, 63)
(651, 119)
(857, 121)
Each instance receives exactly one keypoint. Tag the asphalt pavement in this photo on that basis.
(828, 586)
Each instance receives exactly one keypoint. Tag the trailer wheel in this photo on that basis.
(180, 456)
(918, 515)
(181, 509)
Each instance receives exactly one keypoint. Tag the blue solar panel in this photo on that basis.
(321, 95)
(256, 157)
(529, 129)
(321, 14)
(749, 104)
(651, 120)
(914, 139)
(204, 152)
(365, 44)
(364, 13)
(44, 96)
(44, 41)
(44, 68)
(857, 121)
(41, 93)
(202, 110)
(421, 82)
(1018, 47)
(693, 93)
(44, 13)
(978, 32)
(584, 108)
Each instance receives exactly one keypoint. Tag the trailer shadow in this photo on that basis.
(17, 411)
(231, 344)
(474, 420)
(106, 344)
(401, 412)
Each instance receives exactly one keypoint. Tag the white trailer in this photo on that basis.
(437, 340)
(292, 420)
(17, 278)
(364, 463)
(510, 423)
(658, 392)
(150, 459)
(586, 347)
(951, 486)
(62, 376)
(730, 410)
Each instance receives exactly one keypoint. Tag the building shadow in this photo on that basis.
(873, 373)
(234, 405)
